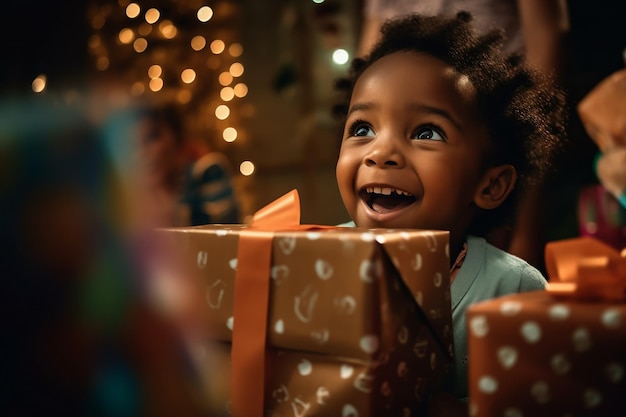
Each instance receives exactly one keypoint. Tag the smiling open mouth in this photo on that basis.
(386, 199)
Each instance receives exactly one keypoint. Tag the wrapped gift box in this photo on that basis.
(358, 324)
(532, 354)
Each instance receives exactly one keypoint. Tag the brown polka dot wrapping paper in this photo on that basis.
(534, 355)
(358, 321)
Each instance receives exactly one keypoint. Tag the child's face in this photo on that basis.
(412, 148)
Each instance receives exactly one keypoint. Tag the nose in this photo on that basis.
(384, 153)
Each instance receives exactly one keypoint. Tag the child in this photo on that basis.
(442, 132)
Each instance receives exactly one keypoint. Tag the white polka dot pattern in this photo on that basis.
(346, 335)
(532, 355)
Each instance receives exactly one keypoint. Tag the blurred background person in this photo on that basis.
(172, 180)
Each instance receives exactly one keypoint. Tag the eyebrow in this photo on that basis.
(412, 106)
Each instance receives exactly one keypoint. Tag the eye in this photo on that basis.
(429, 133)
(360, 128)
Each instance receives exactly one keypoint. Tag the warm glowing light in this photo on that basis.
(198, 43)
(236, 69)
(222, 112)
(246, 168)
(144, 29)
(39, 83)
(205, 13)
(137, 89)
(213, 62)
(156, 84)
(102, 63)
(188, 76)
(140, 45)
(152, 15)
(183, 96)
(225, 78)
(227, 93)
(168, 30)
(126, 35)
(235, 49)
(229, 134)
(217, 46)
(155, 71)
(340, 56)
(94, 41)
(133, 10)
(241, 90)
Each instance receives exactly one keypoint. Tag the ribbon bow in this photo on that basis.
(585, 269)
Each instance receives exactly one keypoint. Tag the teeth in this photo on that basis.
(386, 191)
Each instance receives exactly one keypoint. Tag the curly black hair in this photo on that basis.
(523, 111)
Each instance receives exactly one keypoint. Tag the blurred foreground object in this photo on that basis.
(78, 338)
(603, 112)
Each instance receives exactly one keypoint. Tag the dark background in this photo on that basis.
(43, 37)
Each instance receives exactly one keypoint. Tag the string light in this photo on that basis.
(225, 78)
(188, 76)
(133, 10)
(217, 46)
(155, 71)
(152, 16)
(222, 112)
(229, 134)
(198, 43)
(126, 36)
(200, 48)
(340, 56)
(236, 69)
(39, 83)
(205, 13)
(241, 90)
(246, 168)
(156, 84)
(227, 93)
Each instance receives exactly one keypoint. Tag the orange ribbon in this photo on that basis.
(251, 302)
(585, 269)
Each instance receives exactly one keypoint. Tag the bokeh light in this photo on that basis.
(229, 134)
(222, 112)
(188, 76)
(236, 69)
(227, 93)
(241, 90)
(340, 56)
(198, 43)
(225, 78)
(39, 83)
(217, 46)
(155, 71)
(246, 168)
(133, 10)
(140, 45)
(152, 15)
(205, 13)
(126, 36)
(156, 84)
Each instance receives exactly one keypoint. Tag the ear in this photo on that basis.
(495, 186)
